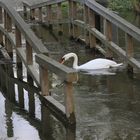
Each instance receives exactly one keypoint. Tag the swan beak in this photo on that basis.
(62, 61)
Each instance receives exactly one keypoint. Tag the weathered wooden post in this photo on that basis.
(69, 102)
(49, 15)
(40, 14)
(108, 34)
(31, 97)
(25, 12)
(1, 38)
(44, 80)
(70, 17)
(75, 32)
(29, 59)
(29, 54)
(19, 68)
(1, 15)
(5, 19)
(45, 121)
(32, 14)
(129, 49)
(59, 18)
(9, 23)
(9, 29)
(86, 20)
(92, 38)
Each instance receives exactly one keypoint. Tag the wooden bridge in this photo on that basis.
(94, 26)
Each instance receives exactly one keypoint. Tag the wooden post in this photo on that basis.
(25, 12)
(1, 15)
(108, 34)
(40, 14)
(1, 38)
(129, 49)
(70, 18)
(59, 18)
(9, 23)
(32, 14)
(31, 96)
(49, 15)
(92, 38)
(44, 81)
(86, 20)
(69, 103)
(19, 69)
(45, 121)
(74, 17)
(5, 19)
(8, 47)
(29, 55)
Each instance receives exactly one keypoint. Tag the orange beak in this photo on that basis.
(62, 61)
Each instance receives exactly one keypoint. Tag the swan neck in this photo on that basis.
(75, 62)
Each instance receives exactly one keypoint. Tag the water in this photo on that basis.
(107, 106)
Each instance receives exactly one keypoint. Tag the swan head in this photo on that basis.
(68, 56)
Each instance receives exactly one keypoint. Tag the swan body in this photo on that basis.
(99, 63)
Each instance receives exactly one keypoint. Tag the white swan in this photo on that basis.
(99, 63)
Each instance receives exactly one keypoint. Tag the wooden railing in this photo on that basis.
(16, 36)
(98, 24)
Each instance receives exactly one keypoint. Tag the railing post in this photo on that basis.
(44, 80)
(73, 29)
(32, 14)
(5, 19)
(29, 55)
(8, 46)
(1, 38)
(19, 68)
(25, 12)
(86, 20)
(129, 49)
(9, 23)
(69, 102)
(31, 96)
(1, 15)
(70, 18)
(108, 33)
(92, 38)
(49, 15)
(59, 18)
(40, 14)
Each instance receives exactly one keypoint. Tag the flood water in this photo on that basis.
(107, 106)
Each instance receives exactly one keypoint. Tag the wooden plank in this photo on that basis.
(33, 5)
(64, 72)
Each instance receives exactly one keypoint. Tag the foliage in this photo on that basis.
(120, 4)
